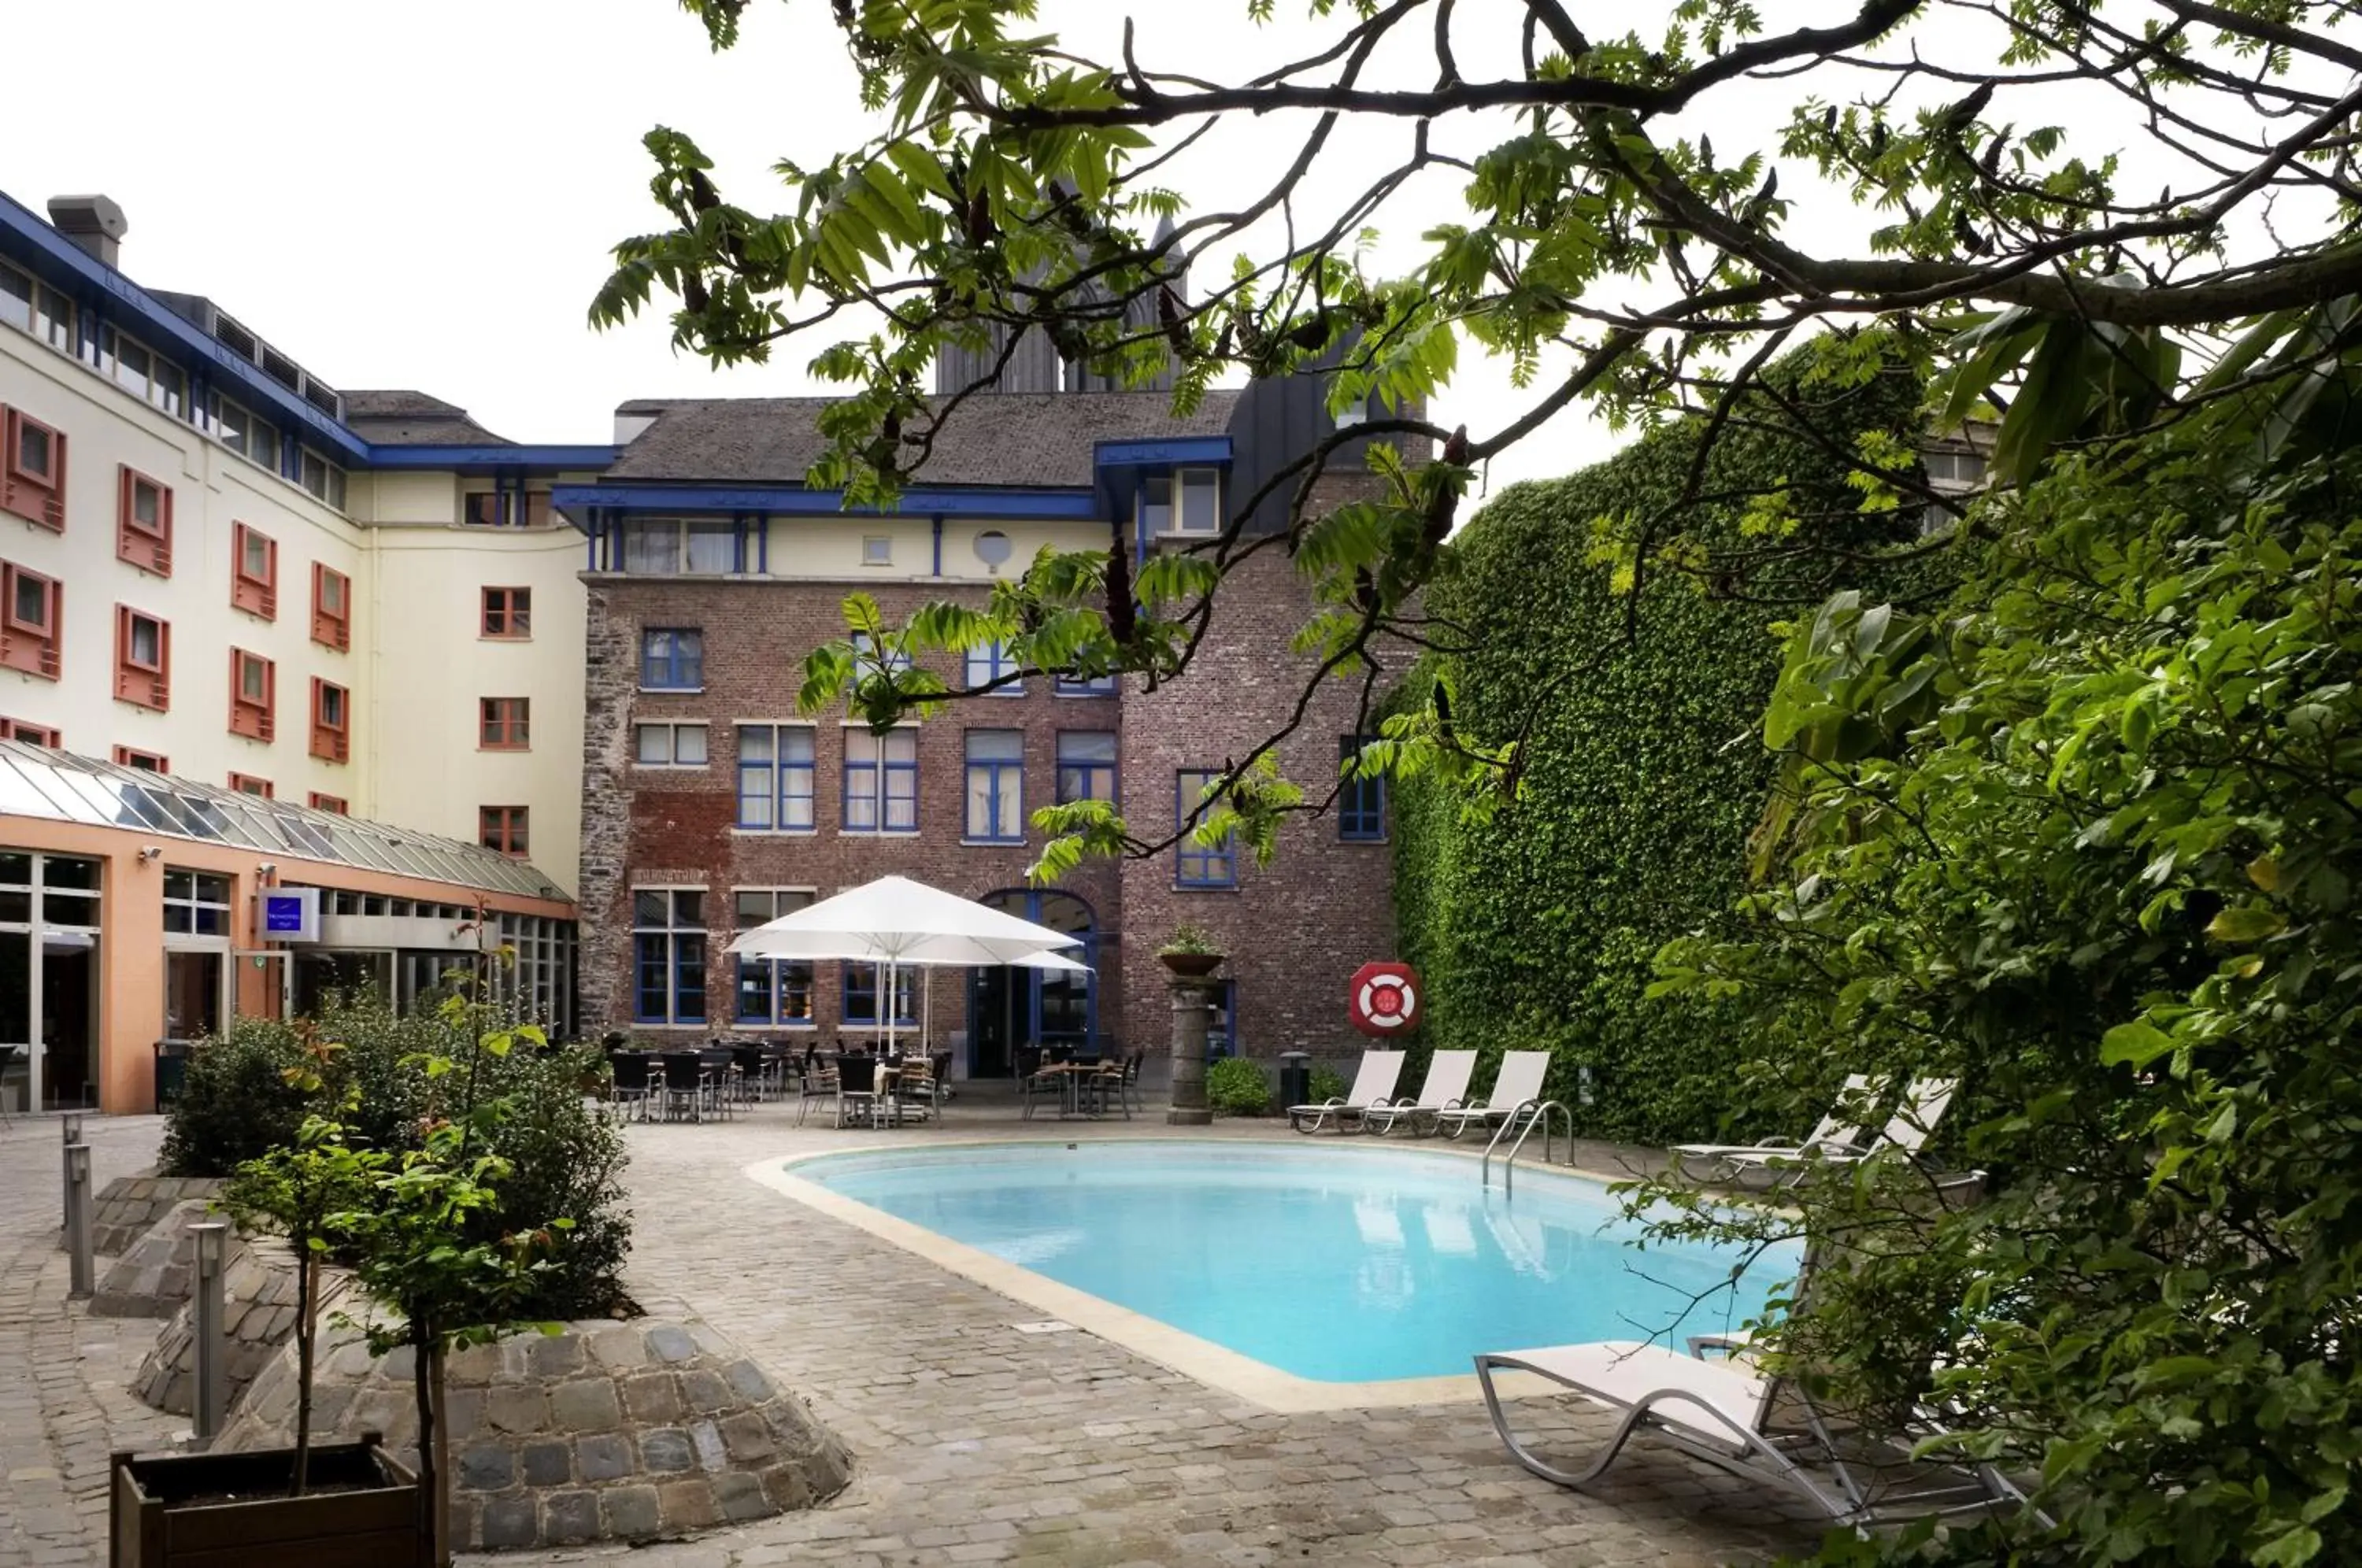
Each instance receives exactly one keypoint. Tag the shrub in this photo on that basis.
(1236, 1087)
(1328, 1084)
(236, 1103)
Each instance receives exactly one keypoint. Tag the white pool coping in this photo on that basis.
(1216, 1367)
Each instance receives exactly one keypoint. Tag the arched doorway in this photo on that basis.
(1008, 1007)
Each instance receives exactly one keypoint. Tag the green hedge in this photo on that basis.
(1643, 779)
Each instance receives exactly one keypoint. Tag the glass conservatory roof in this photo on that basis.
(61, 787)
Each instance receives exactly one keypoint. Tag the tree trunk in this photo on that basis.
(442, 1462)
(305, 1344)
(430, 1476)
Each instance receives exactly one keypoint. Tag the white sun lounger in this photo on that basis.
(1374, 1084)
(1446, 1089)
(1907, 1131)
(1518, 1085)
(1718, 1411)
(1840, 1128)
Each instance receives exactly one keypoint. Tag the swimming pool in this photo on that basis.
(1334, 1264)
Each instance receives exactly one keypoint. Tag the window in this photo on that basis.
(869, 656)
(1085, 686)
(143, 659)
(1361, 802)
(996, 786)
(881, 781)
(676, 546)
(501, 828)
(1195, 865)
(1201, 491)
(145, 761)
(1954, 467)
(253, 693)
(196, 903)
(669, 955)
(669, 746)
(247, 784)
(31, 734)
(877, 549)
(322, 478)
(776, 991)
(29, 622)
(254, 574)
(332, 804)
(141, 372)
(331, 721)
(1085, 766)
(247, 434)
(861, 995)
(1223, 1028)
(508, 613)
(32, 469)
(37, 308)
(504, 723)
(775, 778)
(672, 658)
(502, 509)
(143, 523)
(332, 608)
(990, 663)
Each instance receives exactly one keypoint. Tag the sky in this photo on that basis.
(424, 195)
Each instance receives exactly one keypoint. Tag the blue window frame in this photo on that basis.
(990, 663)
(776, 777)
(995, 787)
(861, 982)
(1085, 766)
(1196, 865)
(1361, 802)
(669, 955)
(881, 781)
(1085, 686)
(775, 992)
(672, 658)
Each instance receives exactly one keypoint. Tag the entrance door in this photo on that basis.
(69, 1019)
(194, 984)
(1011, 1008)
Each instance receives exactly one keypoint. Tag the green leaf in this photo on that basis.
(2246, 922)
(2137, 1044)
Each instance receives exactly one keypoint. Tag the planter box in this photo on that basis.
(1191, 966)
(231, 1510)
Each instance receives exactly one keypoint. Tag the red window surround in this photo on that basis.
(247, 784)
(332, 608)
(508, 613)
(253, 695)
(31, 734)
(32, 611)
(143, 521)
(503, 828)
(32, 469)
(332, 804)
(254, 572)
(145, 761)
(332, 718)
(143, 659)
(504, 723)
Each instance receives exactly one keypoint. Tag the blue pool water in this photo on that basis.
(1335, 1263)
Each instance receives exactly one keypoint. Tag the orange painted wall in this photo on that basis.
(131, 929)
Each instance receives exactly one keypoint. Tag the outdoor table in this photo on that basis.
(1072, 1077)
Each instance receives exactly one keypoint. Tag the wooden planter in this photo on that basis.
(1191, 966)
(231, 1510)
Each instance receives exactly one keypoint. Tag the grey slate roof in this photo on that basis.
(400, 418)
(1002, 438)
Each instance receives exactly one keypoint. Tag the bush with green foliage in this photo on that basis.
(1328, 1084)
(564, 1158)
(1534, 925)
(1235, 1086)
(2086, 839)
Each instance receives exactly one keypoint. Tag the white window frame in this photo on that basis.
(673, 728)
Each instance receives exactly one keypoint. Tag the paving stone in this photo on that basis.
(630, 1512)
(510, 1521)
(547, 1465)
(667, 1449)
(585, 1404)
(604, 1456)
(570, 1517)
(487, 1468)
(671, 1342)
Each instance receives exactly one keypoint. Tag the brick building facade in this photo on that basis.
(713, 572)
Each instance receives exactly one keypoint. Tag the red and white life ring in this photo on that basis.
(1384, 999)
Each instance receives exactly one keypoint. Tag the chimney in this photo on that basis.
(95, 223)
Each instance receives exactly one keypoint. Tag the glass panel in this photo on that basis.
(255, 554)
(16, 298)
(251, 678)
(58, 871)
(652, 547)
(32, 602)
(332, 592)
(69, 909)
(147, 505)
(712, 547)
(689, 745)
(654, 744)
(146, 635)
(1156, 505)
(755, 743)
(754, 909)
(1200, 509)
(650, 909)
(996, 746)
(16, 907)
(33, 450)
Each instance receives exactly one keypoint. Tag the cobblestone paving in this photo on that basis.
(972, 1442)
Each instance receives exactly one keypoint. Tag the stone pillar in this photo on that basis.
(1192, 1009)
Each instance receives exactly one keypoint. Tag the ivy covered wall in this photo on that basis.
(1644, 773)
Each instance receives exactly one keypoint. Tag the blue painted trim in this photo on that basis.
(581, 504)
(506, 461)
(1191, 450)
(939, 545)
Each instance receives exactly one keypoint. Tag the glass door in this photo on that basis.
(195, 981)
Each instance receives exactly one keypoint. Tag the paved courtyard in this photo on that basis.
(974, 1442)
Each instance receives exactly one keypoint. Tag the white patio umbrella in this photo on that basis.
(893, 922)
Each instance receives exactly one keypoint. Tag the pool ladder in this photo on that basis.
(1523, 1121)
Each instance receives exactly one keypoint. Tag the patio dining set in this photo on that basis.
(1080, 1084)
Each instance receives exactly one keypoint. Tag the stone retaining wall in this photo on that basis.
(154, 1276)
(258, 1317)
(608, 1430)
(129, 1207)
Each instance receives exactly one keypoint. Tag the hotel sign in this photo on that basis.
(291, 914)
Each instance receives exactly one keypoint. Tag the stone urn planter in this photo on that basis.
(1191, 966)
(210, 1508)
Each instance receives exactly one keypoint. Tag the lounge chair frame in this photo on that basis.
(1334, 1113)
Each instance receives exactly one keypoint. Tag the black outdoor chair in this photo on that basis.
(856, 1087)
(815, 1079)
(723, 1084)
(630, 1093)
(684, 1085)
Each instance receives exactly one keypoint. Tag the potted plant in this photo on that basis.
(1191, 952)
